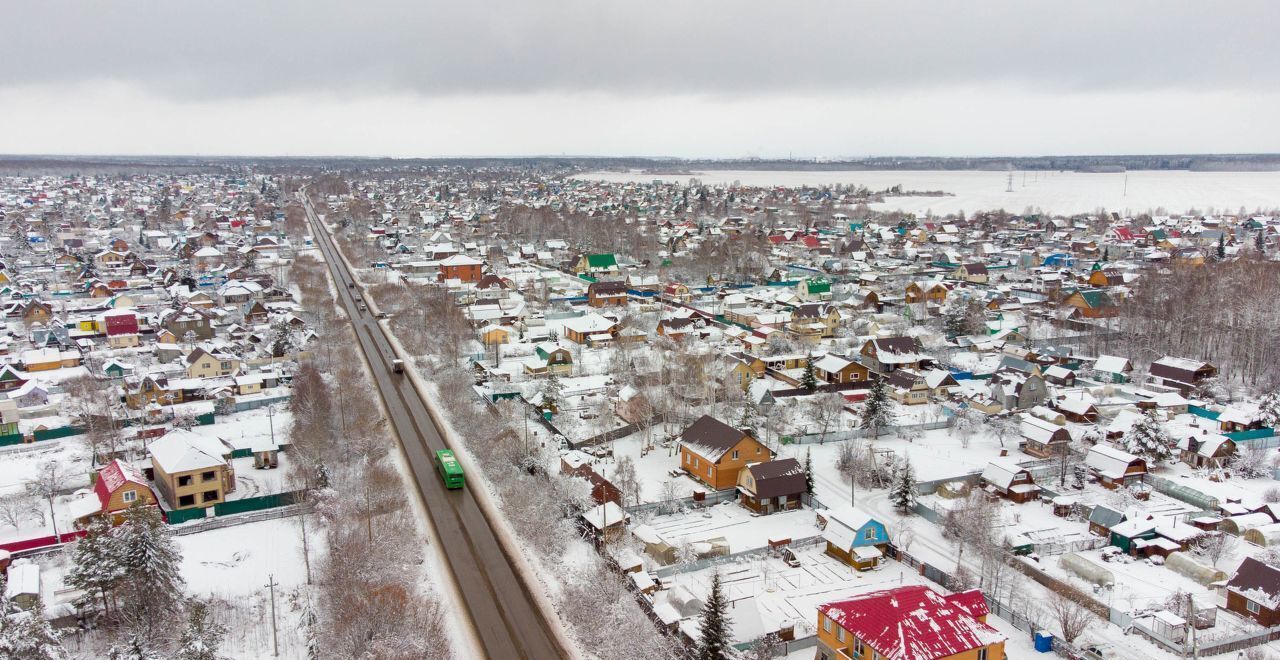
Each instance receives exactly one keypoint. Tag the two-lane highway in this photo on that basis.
(506, 617)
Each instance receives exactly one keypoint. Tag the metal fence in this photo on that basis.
(678, 504)
(676, 569)
(849, 434)
(256, 516)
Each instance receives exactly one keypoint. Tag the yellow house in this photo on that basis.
(495, 334)
(202, 364)
(192, 470)
(912, 622)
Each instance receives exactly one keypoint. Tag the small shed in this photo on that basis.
(1010, 480)
(23, 586)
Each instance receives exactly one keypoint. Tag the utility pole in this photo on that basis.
(275, 643)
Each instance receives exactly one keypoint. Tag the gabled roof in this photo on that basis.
(1109, 461)
(710, 437)
(184, 451)
(916, 623)
(1258, 582)
(784, 476)
(112, 476)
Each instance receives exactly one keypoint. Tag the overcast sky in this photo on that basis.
(608, 77)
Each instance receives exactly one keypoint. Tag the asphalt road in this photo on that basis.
(506, 618)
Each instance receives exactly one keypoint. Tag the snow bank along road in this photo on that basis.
(498, 603)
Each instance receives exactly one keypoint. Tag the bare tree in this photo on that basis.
(46, 485)
(1072, 616)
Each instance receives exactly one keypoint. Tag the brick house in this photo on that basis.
(461, 267)
(192, 470)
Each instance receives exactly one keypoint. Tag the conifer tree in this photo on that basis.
(201, 638)
(903, 493)
(808, 472)
(714, 644)
(877, 412)
(809, 380)
(1147, 438)
(151, 584)
(26, 635)
(1222, 247)
(96, 561)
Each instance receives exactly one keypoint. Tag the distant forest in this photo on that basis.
(35, 165)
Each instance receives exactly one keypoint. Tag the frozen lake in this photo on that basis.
(1053, 192)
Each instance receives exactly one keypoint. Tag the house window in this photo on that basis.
(735, 454)
(209, 495)
(840, 634)
(226, 366)
(208, 476)
(870, 534)
(758, 449)
(695, 462)
(826, 624)
(129, 496)
(982, 653)
(1253, 607)
(187, 500)
(184, 480)
(858, 648)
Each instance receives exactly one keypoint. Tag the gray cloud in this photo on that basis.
(239, 49)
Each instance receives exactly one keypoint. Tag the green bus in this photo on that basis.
(450, 469)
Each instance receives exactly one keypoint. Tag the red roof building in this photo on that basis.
(909, 623)
(119, 485)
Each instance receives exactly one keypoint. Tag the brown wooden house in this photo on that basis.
(772, 486)
(714, 452)
(1254, 592)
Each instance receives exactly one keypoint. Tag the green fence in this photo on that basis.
(1203, 412)
(1251, 435)
(179, 516)
(11, 439)
(257, 503)
(60, 432)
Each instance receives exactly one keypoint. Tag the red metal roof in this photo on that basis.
(916, 623)
(112, 476)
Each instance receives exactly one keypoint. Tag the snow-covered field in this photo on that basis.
(1055, 192)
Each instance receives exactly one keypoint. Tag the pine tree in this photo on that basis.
(96, 566)
(809, 380)
(808, 472)
(1261, 241)
(551, 391)
(151, 582)
(903, 492)
(877, 412)
(1222, 247)
(1269, 410)
(955, 321)
(26, 635)
(201, 638)
(714, 644)
(1148, 439)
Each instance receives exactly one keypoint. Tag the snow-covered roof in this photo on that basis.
(1111, 364)
(916, 622)
(1109, 461)
(183, 451)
